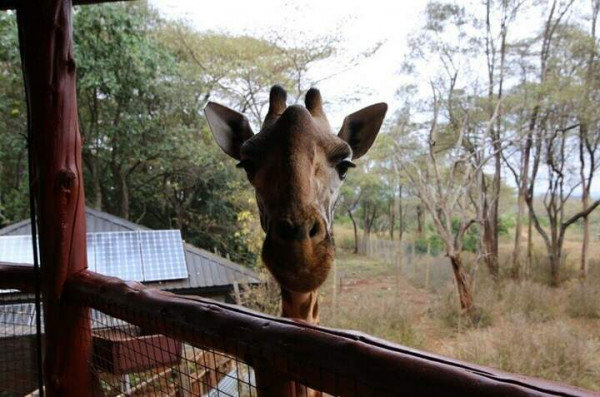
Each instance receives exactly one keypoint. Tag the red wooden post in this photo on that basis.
(45, 33)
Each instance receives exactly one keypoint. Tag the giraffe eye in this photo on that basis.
(249, 167)
(342, 168)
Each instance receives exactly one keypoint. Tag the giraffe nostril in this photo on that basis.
(286, 230)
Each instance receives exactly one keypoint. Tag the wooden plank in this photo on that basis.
(14, 4)
(336, 362)
(45, 39)
(17, 276)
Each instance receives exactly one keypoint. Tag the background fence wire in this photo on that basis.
(128, 361)
(18, 347)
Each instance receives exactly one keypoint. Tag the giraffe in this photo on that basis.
(296, 165)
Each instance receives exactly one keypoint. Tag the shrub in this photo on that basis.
(435, 242)
(535, 302)
(446, 309)
(506, 223)
(264, 297)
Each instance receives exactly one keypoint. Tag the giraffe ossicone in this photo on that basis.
(296, 164)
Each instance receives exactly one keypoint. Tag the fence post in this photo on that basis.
(45, 39)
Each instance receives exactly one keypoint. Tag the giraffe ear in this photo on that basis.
(361, 128)
(229, 128)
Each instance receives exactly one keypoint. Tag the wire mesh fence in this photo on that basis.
(190, 346)
(18, 347)
(127, 360)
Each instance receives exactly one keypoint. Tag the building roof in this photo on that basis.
(206, 270)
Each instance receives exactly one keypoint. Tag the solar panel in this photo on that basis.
(19, 319)
(91, 251)
(162, 255)
(152, 255)
(118, 254)
(17, 249)
(18, 314)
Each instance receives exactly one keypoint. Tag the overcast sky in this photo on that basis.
(359, 24)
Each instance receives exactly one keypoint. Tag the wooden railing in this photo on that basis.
(336, 362)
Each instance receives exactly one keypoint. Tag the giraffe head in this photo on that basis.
(296, 165)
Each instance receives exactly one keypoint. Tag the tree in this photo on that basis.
(531, 141)
(13, 145)
(443, 179)
(589, 134)
(361, 200)
(563, 138)
(122, 77)
(495, 54)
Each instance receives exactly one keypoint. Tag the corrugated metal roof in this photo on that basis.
(205, 269)
(19, 319)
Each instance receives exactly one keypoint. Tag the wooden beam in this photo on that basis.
(14, 4)
(17, 276)
(45, 38)
(337, 362)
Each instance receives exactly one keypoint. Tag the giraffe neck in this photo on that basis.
(300, 305)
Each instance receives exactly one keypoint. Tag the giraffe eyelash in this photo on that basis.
(342, 168)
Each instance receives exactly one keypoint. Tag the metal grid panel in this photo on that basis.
(18, 350)
(17, 249)
(18, 314)
(118, 254)
(157, 365)
(154, 255)
(162, 255)
(91, 251)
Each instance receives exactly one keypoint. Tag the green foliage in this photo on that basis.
(148, 153)
(13, 156)
(432, 242)
(506, 223)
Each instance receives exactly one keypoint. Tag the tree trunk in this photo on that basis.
(355, 232)
(586, 239)
(368, 219)
(490, 239)
(554, 258)
(419, 220)
(123, 191)
(530, 243)
(400, 215)
(97, 202)
(428, 265)
(392, 217)
(516, 256)
(463, 283)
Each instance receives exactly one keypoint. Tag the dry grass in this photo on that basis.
(383, 318)
(584, 301)
(522, 327)
(557, 350)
